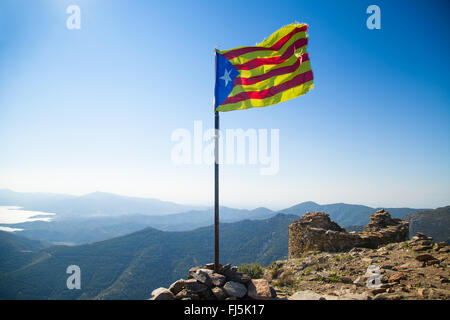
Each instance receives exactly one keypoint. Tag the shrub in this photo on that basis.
(276, 265)
(285, 283)
(254, 270)
(333, 277)
(308, 270)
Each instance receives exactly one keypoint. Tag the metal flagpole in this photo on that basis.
(216, 181)
(216, 192)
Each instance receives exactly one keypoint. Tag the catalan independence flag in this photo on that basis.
(273, 71)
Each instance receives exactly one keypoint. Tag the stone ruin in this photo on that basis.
(315, 231)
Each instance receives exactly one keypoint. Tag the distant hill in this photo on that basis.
(92, 204)
(99, 216)
(434, 223)
(92, 229)
(131, 266)
(80, 230)
(200, 218)
(30, 199)
(346, 214)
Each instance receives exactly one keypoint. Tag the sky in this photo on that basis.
(94, 109)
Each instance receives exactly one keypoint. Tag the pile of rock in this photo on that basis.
(319, 220)
(382, 229)
(420, 242)
(315, 231)
(226, 284)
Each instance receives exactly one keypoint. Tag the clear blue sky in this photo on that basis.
(94, 109)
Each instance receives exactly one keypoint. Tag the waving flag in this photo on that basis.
(273, 71)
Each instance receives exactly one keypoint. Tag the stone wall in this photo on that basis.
(315, 231)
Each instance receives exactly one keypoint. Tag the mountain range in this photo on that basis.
(92, 204)
(99, 216)
(346, 214)
(131, 266)
(91, 229)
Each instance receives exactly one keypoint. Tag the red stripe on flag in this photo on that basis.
(249, 65)
(252, 64)
(236, 53)
(267, 93)
(271, 73)
(280, 43)
(276, 46)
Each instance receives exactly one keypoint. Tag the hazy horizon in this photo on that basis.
(95, 108)
(211, 204)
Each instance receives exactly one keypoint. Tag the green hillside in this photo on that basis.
(130, 267)
(16, 251)
(434, 223)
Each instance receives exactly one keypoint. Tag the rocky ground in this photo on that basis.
(226, 284)
(326, 262)
(414, 269)
(411, 270)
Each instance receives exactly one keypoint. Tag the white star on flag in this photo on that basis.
(226, 77)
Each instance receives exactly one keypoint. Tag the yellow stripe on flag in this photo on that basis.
(282, 96)
(272, 81)
(273, 71)
(270, 53)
